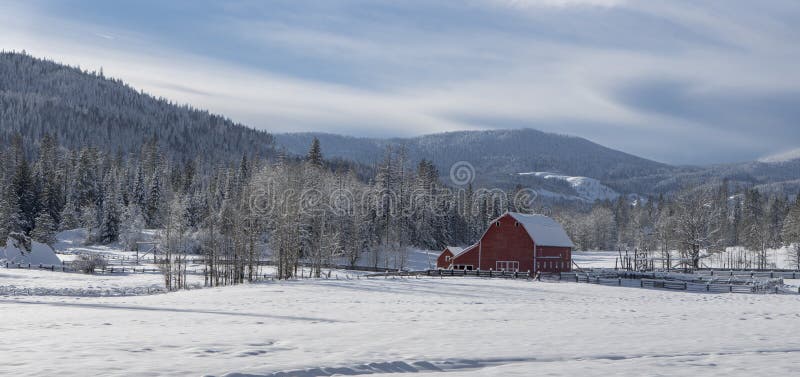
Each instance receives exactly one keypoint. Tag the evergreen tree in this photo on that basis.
(45, 230)
(70, 215)
(791, 233)
(110, 225)
(154, 204)
(314, 155)
(9, 214)
(23, 189)
(754, 232)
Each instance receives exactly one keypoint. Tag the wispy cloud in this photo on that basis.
(558, 3)
(676, 81)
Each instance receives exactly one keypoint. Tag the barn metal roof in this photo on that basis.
(544, 230)
(454, 249)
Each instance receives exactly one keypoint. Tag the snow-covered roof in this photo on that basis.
(463, 250)
(454, 249)
(544, 230)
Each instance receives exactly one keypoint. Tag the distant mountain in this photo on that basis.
(496, 155)
(587, 170)
(87, 109)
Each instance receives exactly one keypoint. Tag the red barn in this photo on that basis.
(514, 242)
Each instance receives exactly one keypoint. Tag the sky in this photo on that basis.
(682, 82)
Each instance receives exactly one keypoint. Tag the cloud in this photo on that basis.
(559, 3)
(677, 81)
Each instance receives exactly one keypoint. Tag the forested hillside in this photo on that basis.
(496, 155)
(80, 108)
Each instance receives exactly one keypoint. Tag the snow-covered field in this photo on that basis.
(54, 323)
(595, 259)
(476, 327)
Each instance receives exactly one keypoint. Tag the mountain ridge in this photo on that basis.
(81, 108)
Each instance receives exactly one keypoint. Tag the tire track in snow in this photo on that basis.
(473, 364)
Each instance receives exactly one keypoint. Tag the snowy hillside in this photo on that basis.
(782, 157)
(588, 189)
(495, 154)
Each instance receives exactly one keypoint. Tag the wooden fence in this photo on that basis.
(268, 262)
(637, 280)
(476, 273)
(67, 268)
(680, 285)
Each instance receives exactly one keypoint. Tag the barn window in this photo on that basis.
(512, 266)
(497, 223)
(447, 258)
(516, 223)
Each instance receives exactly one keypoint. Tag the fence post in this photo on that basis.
(620, 281)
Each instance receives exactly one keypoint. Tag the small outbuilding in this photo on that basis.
(514, 242)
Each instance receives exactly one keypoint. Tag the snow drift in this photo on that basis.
(21, 249)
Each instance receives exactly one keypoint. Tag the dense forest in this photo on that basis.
(295, 210)
(82, 108)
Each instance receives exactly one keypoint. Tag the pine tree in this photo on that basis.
(754, 232)
(315, 153)
(139, 191)
(110, 225)
(9, 214)
(791, 233)
(154, 203)
(23, 188)
(70, 215)
(45, 230)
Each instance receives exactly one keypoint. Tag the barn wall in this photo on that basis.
(554, 259)
(468, 258)
(441, 261)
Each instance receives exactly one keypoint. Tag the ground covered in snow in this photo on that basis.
(476, 327)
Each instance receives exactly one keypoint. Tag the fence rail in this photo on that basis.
(476, 273)
(67, 268)
(759, 282)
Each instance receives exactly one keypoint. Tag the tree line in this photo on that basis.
(307, 210)
(705, 219)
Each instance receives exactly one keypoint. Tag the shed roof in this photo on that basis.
(543, 230)
(454, 249)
